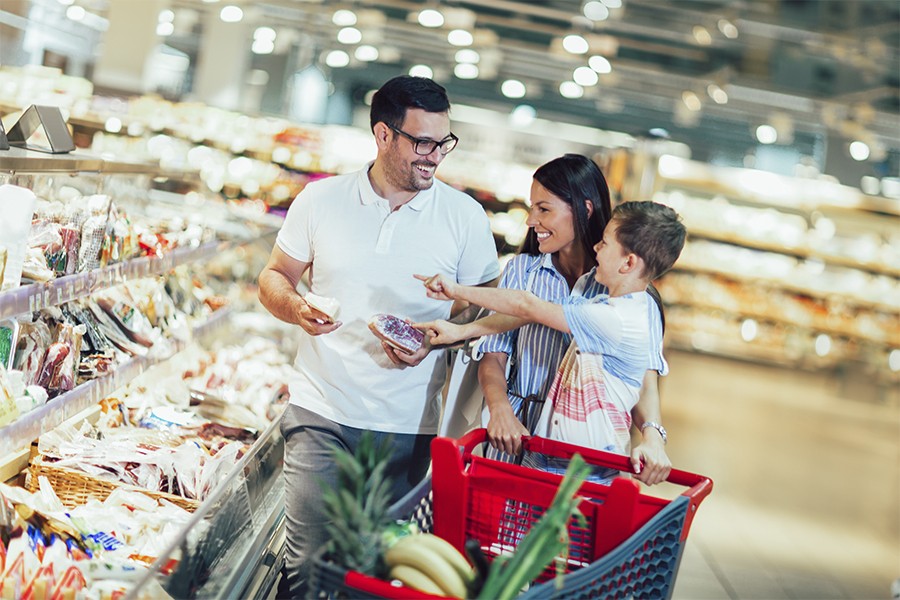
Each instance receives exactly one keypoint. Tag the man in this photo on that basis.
(363, 236)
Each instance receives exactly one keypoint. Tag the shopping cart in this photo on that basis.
(628, 546)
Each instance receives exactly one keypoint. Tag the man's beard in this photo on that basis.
(404, 176)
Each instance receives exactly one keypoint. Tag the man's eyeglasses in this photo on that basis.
(425, 147)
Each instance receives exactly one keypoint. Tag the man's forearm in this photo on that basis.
(280, 297)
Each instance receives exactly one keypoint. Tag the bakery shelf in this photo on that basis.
(28, 427)
(36, 296)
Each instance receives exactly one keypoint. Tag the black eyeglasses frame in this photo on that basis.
(416, 142)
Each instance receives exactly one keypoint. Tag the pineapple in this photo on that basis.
(357, 508)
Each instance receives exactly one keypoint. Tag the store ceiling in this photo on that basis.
(808, 66)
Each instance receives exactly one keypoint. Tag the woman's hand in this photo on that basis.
(439, 287)
(505, 431)
(651, 451)
(441, 332)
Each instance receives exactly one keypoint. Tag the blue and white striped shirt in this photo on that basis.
(539, 349)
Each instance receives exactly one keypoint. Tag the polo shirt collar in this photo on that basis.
(368, 195)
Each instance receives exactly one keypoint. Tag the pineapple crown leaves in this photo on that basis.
(357, 507)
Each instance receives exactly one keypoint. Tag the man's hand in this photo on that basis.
(505, 431)
(439, 287)
(406, 359)
(315, 322)
(441, 332)
(656, 464)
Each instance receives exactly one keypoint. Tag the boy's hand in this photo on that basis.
(439, 287)
(441, 332)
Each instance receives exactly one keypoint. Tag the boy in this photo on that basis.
(598, 382)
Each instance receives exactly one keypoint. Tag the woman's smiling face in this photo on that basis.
(552, 220)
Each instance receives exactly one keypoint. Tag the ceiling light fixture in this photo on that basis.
(585, 76)
(859, 150)
(717, 94)
(421, 71)
(467, 56)
(513, 88)
(67, 2)
(613, 3)
(231, 14)
(349, 35)
(165, 29)
(75, 13)
(431, 18)
(466, 71)
(343, 18)
(337, 59)
(575, 44)
(263, 46)
(691, 100)
(702, 35)
(595, 11)
(522, 115)
(166, 16)
(366, 53)
(766, 134)
(728, 29)
(570, 89)
(460, 37)
(600, 64)
(264, 33)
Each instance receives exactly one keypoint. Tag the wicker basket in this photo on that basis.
(75, 487)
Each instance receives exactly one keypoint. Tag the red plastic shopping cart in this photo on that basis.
(630, 545)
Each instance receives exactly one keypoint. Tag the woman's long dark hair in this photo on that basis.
(575, 178)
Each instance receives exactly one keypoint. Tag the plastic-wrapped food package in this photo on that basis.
(93, 233)
(17, 206)
(61, 363)
(31, 349)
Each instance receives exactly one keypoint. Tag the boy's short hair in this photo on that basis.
(391, 101)
(653, 231)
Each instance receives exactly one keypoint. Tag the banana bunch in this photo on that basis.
(430, 564)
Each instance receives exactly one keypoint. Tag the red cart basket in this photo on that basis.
(630, 545)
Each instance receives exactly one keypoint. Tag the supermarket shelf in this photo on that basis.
(765, 316)
(244, 536)
(781, 284)
(797, 251)
(758, 187)
(36, 296)
(21, 432)
(20, 160)
(737, 349)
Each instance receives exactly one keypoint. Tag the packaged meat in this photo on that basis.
(396, 332)
(31, 348)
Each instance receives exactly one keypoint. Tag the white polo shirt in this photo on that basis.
(365, 256)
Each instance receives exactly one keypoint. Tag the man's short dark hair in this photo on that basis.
(391, 101)
(653, 231)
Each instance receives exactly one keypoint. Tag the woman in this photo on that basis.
(570, 206)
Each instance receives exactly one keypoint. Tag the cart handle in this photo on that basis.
(700, 484)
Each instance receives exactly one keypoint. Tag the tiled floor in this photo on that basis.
(806, 468)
